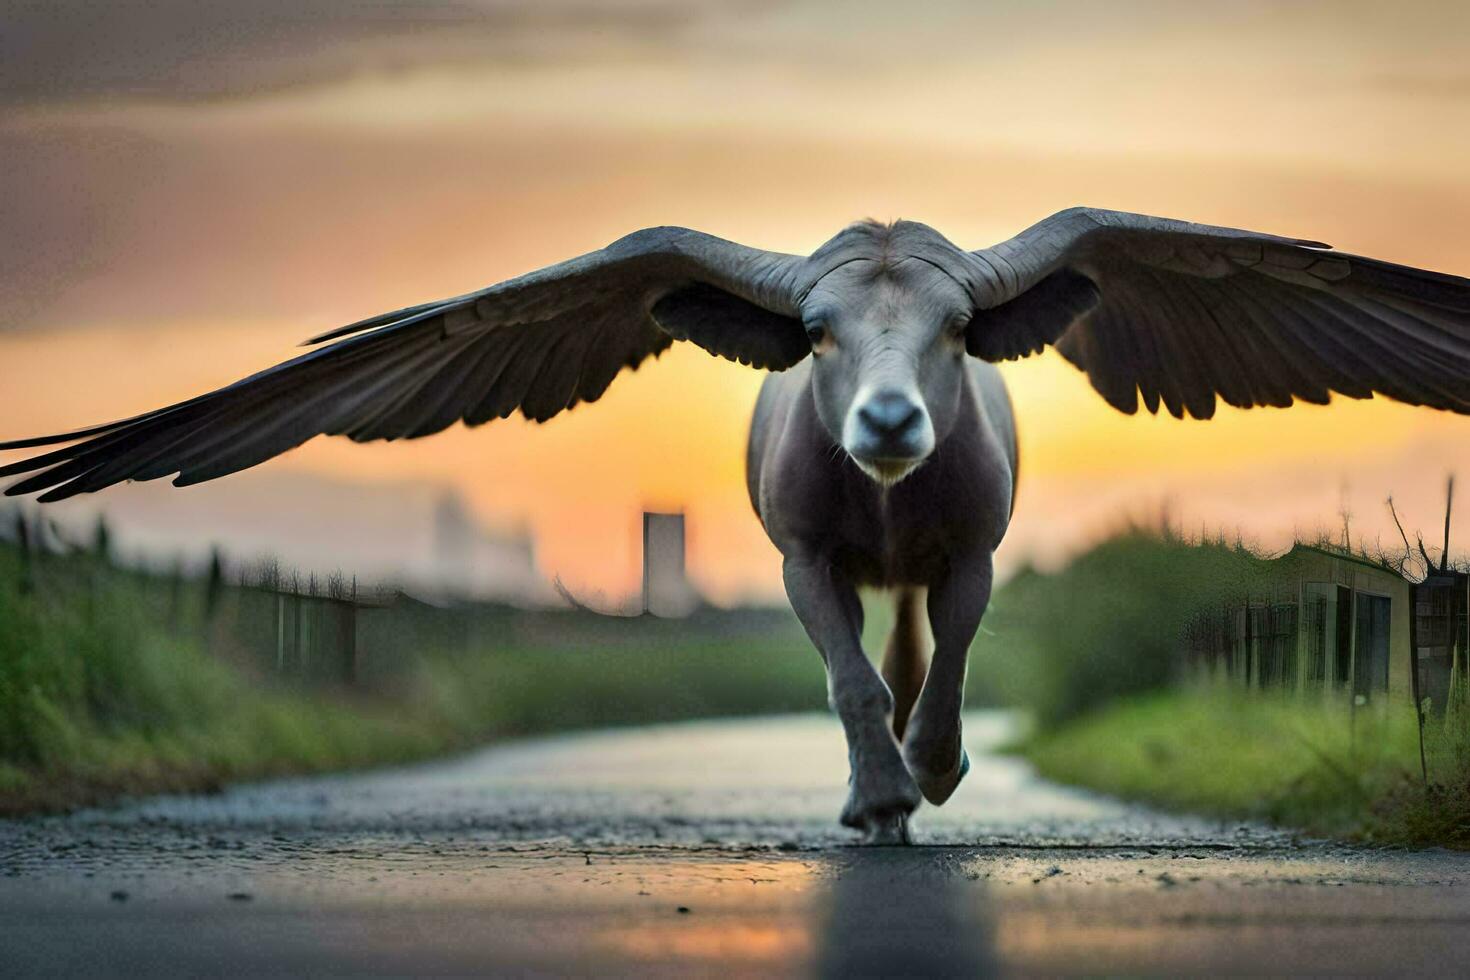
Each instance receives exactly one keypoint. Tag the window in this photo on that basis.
(1371, 663)
(1319, 614)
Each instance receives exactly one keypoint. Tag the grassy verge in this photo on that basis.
(114, 682)
(226, 726)
(1106, 626)
(230, 728)
(1236, 754)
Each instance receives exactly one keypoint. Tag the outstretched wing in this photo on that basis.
(1181, 313)
(540, 344)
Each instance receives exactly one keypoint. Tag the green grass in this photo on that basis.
(117, 681)
(516, 692)
(1313, 766)
(114, 682)
(1104, 627)
(96, 699)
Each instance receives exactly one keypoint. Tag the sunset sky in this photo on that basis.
(189, 192)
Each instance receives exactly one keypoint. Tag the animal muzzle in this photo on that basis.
(888, 432)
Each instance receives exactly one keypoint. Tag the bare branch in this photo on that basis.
(1408, 549)
(1428, 562)
(1449, 503)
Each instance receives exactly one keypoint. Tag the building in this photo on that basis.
(667, 590)
(1442, 622)
(1317, 621)
(469, 560)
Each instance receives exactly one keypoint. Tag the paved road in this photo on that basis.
(699, 849)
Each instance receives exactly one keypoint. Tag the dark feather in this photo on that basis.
(539, 343)
(1186, 313)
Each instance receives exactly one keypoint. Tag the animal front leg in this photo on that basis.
(931, 746)
(882, 793)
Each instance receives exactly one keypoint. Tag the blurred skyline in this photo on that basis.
(192, 189)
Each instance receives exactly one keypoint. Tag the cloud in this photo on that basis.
(66, 51)
(1442, 85)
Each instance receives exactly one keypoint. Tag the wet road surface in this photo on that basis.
(706, 848)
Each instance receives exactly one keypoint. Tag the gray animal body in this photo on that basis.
(882, 450)
(838, 529)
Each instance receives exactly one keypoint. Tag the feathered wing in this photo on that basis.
(539, 344)
(1182, 313)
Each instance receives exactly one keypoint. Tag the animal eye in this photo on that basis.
(816, 333)
(959, 325)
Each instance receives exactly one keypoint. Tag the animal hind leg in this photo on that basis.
(906, 658)
(881, 792)
(932, 748)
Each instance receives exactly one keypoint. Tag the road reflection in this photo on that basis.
(895, 912)
(853, 912)
(768, 945)
(753, 917)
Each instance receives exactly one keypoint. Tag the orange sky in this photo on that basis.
(173, 242)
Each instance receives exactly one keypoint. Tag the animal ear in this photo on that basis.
(728, 326)
(1037, 317)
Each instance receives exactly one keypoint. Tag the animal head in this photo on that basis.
(886, 318)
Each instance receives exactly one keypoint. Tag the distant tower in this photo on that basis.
(666, 588)
(455, 533)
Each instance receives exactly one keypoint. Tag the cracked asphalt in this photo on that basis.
(700, 849)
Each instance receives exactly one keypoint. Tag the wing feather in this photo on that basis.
(540, 344)
(1184, 314)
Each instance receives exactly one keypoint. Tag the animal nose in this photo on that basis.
(890, 414)
(886, 428)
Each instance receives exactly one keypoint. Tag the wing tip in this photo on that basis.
(334, 334)
(37, 442)
(41, 483)
(395, 318)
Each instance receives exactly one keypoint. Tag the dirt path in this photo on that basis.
(706, 848)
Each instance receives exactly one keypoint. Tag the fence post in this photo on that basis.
(176, 595)
(102, 541)
(1458, 680)
(297, 610)
(213, 585)
(27, 560)
(1414, 678)
(348, 637)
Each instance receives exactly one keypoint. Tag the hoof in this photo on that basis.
(937, 788)
(881, 815)
(887, 830)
